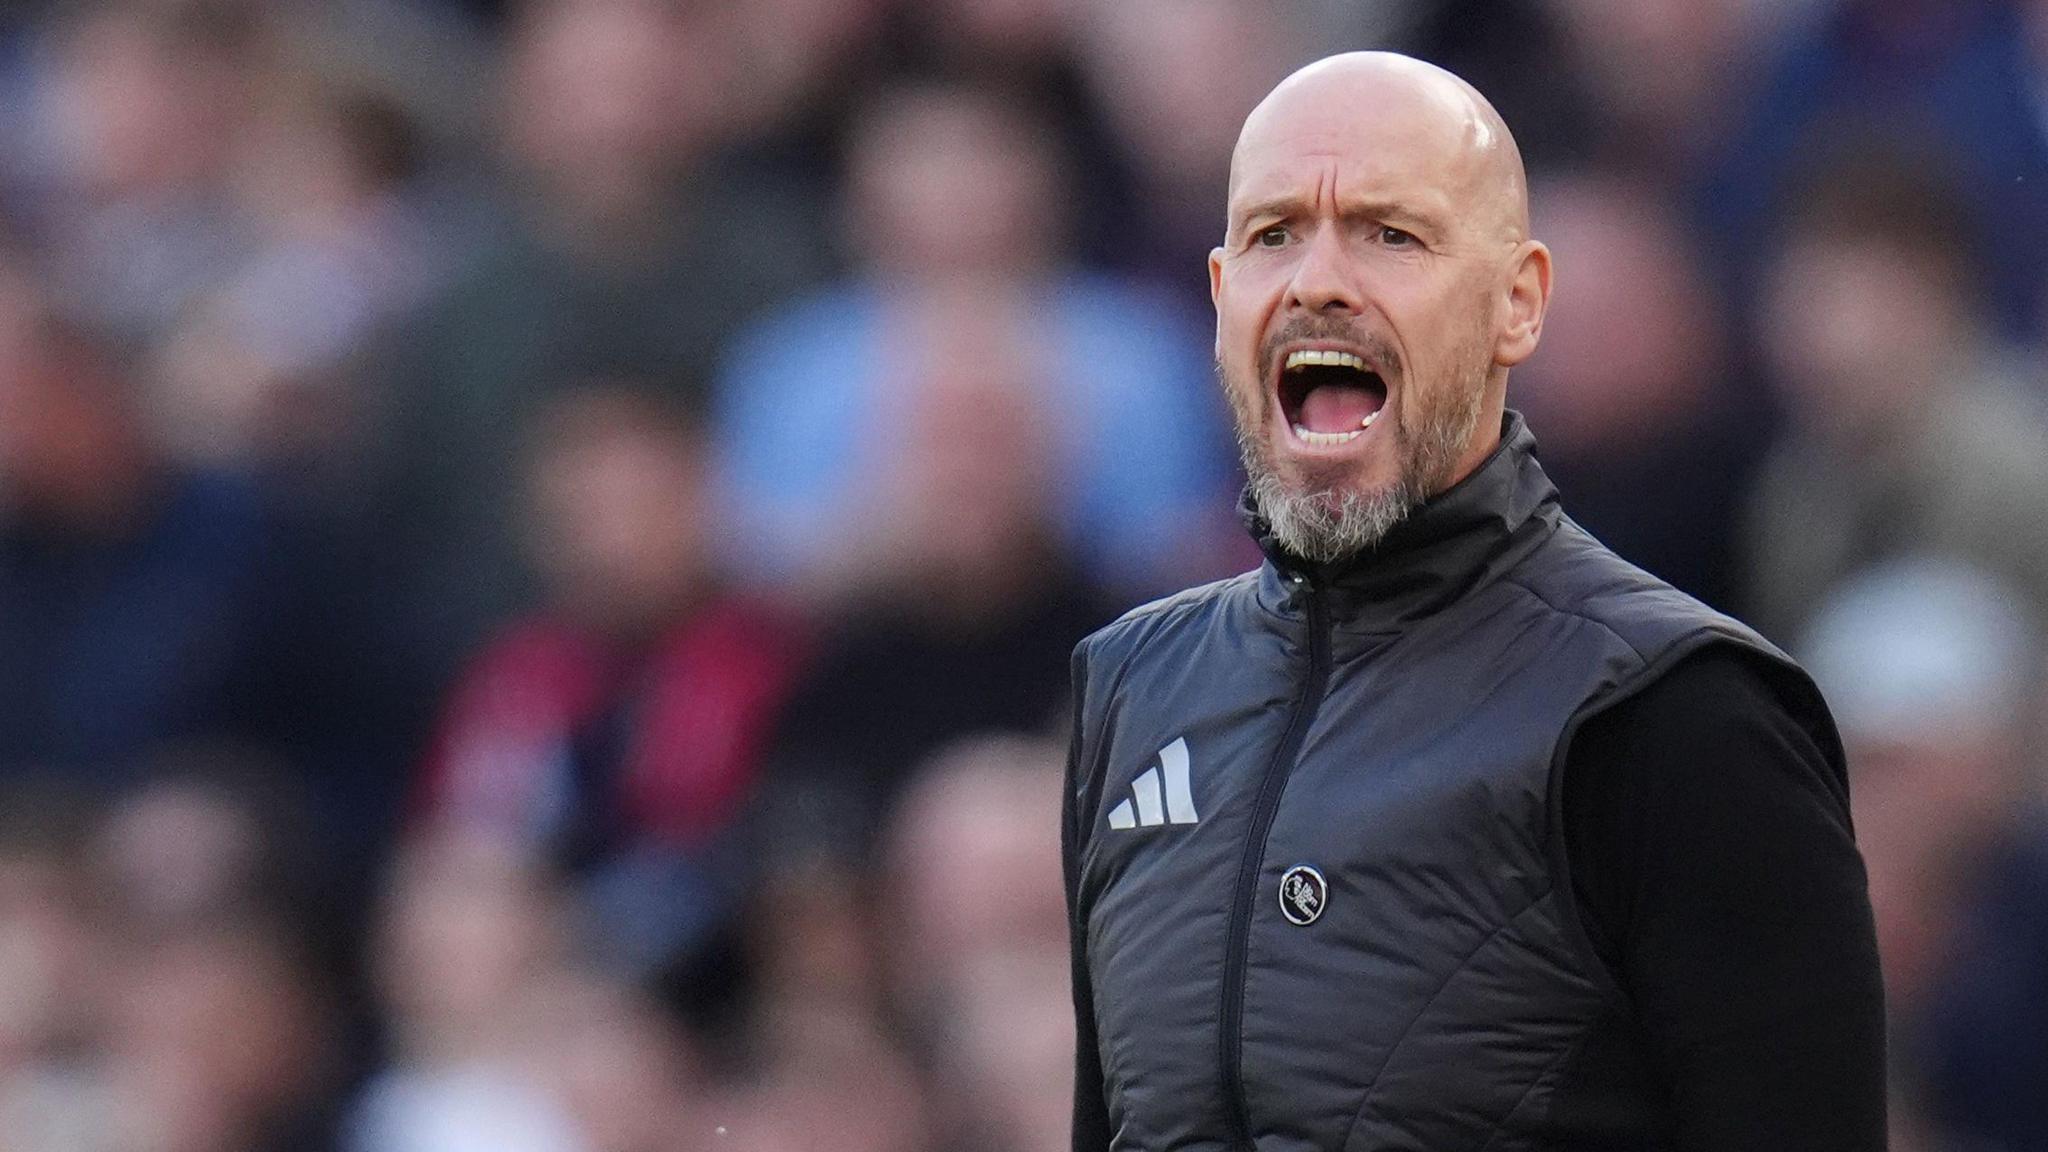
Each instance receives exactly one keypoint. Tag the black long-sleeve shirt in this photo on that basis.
(1714, 867)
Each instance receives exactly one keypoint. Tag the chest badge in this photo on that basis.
(1303, 895)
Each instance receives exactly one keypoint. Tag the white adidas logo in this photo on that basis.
(1178, 806)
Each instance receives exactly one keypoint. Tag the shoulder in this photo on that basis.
(1721, 715)
(1157, 640)
(1709, 688)
(739, 632)
(1680, 670)
(1574, 575)
(805, 328)
(1132, 632)
(536, 641)
(534, 672)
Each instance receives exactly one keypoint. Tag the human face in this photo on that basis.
(1368, 302)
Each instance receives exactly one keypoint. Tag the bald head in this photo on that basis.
(1442, 126)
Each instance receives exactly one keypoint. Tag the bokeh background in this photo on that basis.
(539, 542)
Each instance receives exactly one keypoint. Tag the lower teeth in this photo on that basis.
(1327, 439)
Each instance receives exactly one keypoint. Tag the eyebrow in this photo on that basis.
(1376, 208)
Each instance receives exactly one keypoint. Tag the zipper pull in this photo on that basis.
(1302, 589)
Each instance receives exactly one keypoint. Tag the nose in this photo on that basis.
(1324, 280)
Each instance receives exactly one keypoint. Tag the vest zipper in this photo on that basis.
(1266, 807)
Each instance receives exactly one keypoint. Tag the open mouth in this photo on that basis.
(1330, 397)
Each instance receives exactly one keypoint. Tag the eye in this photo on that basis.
(1272, 236)
(1395, 238)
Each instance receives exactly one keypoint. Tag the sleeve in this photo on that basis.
(1708, 834)
(1091, 1113)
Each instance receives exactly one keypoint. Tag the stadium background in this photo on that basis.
(539, 542)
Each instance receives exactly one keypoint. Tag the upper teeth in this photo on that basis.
(1327, 357)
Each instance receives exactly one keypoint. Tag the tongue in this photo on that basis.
(1338, 407)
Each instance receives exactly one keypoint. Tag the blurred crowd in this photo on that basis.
(540, 541)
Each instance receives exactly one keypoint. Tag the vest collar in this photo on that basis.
(1461, 537)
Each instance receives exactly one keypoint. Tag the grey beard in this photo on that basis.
(1330, 524)
(1323, 526)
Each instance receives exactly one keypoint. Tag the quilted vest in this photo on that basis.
(1321, 877)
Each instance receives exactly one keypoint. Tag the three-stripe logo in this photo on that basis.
(1161, 793)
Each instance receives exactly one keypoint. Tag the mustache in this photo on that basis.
(1378, 350)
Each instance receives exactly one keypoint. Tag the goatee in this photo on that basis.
(1321, 521)
(1324, 523)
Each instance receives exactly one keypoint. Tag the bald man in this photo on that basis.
(1445, 829)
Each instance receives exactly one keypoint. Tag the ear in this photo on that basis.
(1528, 297)
(1215, 293)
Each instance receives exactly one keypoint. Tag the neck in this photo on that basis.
(1484, 443)
(1443, 547)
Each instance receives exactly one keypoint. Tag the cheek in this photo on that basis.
(1445, 337)
(1246, 297)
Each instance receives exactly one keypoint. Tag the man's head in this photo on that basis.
(1375, 283)
(618, 507)
(952, 180)
(1871, 310)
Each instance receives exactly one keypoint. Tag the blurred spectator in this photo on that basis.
(828, 1082)
(1177, 78)
(471, 930)
(1034, 51)
(787, 110)
(591, 1065)
(1004, 1055)
(1931, 668)
(963, 613)
(161, 994)
(968, 879)
(144, 104)
(621, 251)
(258, 371)
(997, 33)
(820, 953)
(955, 205)
(1638, 409)
(54, 971)
(466, 1110)
(219, 1040)
(979, 949)
(1968, 73)
(132, 590)
(1905, 432)
(620, 1065)
(618, 730)
(212, 838)
(1656, 73)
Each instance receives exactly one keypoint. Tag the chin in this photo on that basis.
(1329, 523)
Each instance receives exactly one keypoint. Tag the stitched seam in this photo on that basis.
(1562, 1059)
(1554, 849)
(1547, 602)
(1194, 597)
(1409, 1028)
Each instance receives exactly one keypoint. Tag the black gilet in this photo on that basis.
(1314, 830)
